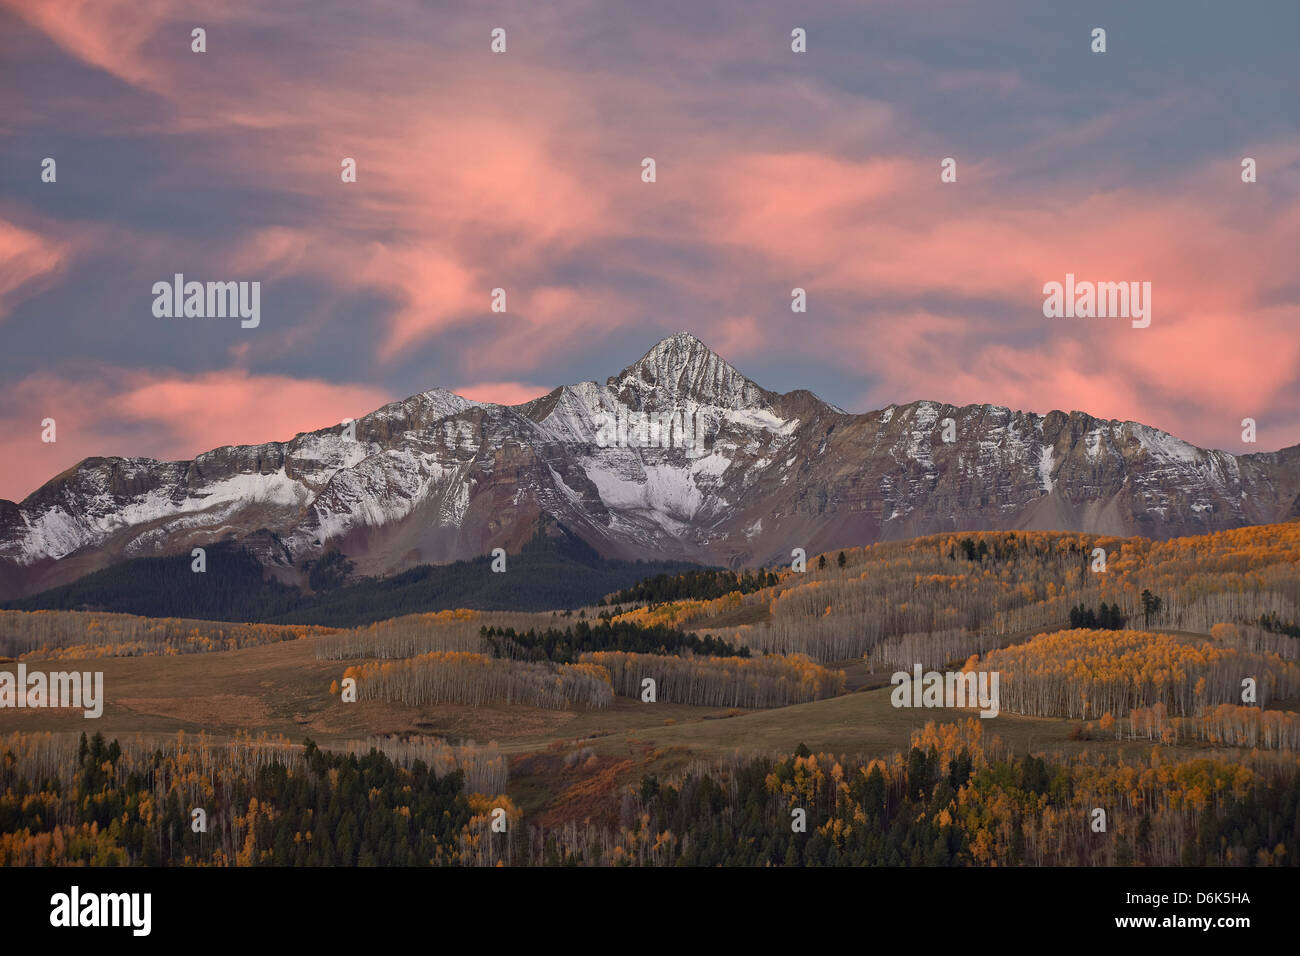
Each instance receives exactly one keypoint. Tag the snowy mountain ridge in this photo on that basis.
(437, 477)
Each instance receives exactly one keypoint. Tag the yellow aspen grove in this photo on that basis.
(1086, 673)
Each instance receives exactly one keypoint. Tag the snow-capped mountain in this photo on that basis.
(677, 456)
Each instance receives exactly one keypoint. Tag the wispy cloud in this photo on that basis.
(522, 172)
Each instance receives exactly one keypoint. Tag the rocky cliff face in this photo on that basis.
(677, 456)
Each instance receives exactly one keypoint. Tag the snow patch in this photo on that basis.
(1045, 462)
(666, 494)
(1163, 445)
(1093, 442)
(56, 534)
(759, 418)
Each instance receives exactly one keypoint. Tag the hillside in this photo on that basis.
(944, 597)
(549, 571)
(546, 714)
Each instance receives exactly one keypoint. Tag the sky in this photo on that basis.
(522, 170)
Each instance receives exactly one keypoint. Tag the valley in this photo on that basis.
(1161, 690)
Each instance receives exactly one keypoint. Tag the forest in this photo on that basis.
(1229, 724)
(951, 798)
(1106, 618)
(1088, 673)
(564, 646)
(265, 802)
(461, 677)
(954, 799)
(700, 585)
(768, 681)
(1001, 587)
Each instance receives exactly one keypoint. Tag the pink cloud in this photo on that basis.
(1220, 345)
(737, 337)
(506, 183)
(501, 393)
(234, 407)
(107, 412)
(28, 263)
(106, 34)
(1110, 371)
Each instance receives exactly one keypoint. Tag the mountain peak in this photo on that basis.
(682, 368)
(678, 347)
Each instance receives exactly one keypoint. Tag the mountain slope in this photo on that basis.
(436, 478)
(552, 570)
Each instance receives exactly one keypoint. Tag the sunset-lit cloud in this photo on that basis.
(522, 172)
(110, 411)
(27, 260)
(501, 393)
